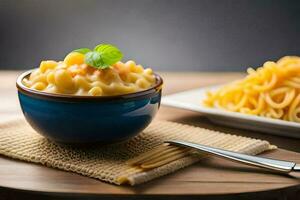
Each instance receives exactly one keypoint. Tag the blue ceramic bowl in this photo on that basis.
(88, 119)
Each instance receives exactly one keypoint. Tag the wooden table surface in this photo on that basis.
(210, 179)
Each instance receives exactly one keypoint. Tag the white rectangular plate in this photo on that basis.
(192, 100)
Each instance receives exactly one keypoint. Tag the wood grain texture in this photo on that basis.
(212, 178)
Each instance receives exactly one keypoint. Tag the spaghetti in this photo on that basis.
(272, 90)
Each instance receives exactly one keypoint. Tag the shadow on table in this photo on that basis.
(201, 121)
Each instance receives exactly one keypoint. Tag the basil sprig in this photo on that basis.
(102, 57)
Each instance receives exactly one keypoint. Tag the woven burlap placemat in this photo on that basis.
(108, 162)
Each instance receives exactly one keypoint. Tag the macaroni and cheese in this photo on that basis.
(73, 76)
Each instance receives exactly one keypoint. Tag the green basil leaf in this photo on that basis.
(82, 50)
(102, 57)
(93, 59)
(105, 66)
(109, 53)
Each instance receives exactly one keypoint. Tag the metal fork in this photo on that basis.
(267, 163)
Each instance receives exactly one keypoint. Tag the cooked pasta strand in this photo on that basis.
(272, 90)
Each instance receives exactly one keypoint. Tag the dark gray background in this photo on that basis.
(207, 35)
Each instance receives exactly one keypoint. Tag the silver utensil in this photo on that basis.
(267, 163)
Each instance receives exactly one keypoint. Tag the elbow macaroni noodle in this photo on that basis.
(73, 76)
(272, 90)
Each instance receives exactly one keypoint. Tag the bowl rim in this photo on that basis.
(71, 97)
